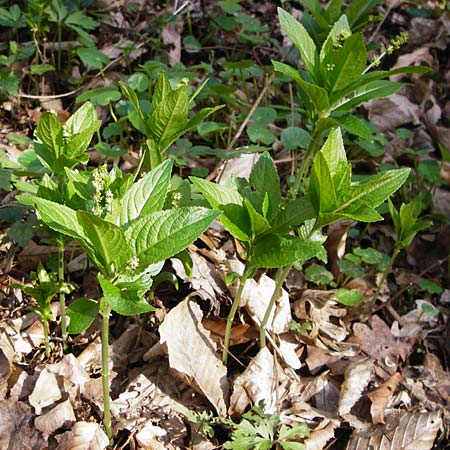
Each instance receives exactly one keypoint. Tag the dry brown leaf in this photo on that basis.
(335, 244)
(240, 333)
(319, 307)
(379, 343)
(239, 167)
(192, 352)
(7, 353)
(320, 436)
(357, 377)
(60, 416)
(417, 57)
(84, 436)
(380, 397)
(149, 437)
(391, 112)
(412, 431)
(171, 37)
(46, 392)
(260, 381)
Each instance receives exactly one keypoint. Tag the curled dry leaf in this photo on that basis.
(260, 381)
(84, 436)
(380, 397)
(47, 390)
(320, 436)
(149, 437)
(357, 377)
(192, 352)
(60, 416)
(319, 307)
(256, 297)
(408, 432)
(379, 343)
(391, 112)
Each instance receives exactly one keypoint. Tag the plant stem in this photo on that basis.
(234, 307)
(47, 346)
(313, 146)
(105, 311)
(280, 276)
(62, 295)
(385, 274)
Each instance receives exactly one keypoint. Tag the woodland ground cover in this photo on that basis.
(225, 225)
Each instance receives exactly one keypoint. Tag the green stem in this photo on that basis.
(105, 311)
(385, 274)
(62, 295)
(312, 149)
(47, 346)
(234, 308)
(280, 276)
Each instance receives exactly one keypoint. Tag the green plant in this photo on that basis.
(335, 81)
(128, 238)
(44, 288)
(255, 213)
(168, 119)
(261, 431)
(406, 226)
(60, 148)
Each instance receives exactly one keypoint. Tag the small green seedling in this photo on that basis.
(261, 431)
(128, 239)
(406, 226)
(169, 117)
(44, 288)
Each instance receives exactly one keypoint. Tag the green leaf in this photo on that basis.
(264, 178)
(100, 96)
(163, 234)
(349, 297)
(258, 222)
(334, 39)
(274, 250)
(93, 57)
(120, 303)
(377, 188)
(347, 64)
(297, 33)
(321, 188)
(110, 249)
(50, 132)
(371, 90)
(227, 199)
(293, 138)
(258, 133)
(355, 126)
(40, 69)
(80, 128)
(318, 274)
(358, 11)
(294, 213)
(82, 313)
(145, 196)
(313, 94)
(59, 218)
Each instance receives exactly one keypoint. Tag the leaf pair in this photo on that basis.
(334, 196)
(254, 212)
(63, 146)
(168, 120)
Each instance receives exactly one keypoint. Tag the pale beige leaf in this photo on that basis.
(391, 112)
(380, 397)
(61, 415)
(357, 377)
(149, 437)
(320, 436)
(409, 432)
(319, 307)
(260, 381)
(256, 297)
(84, 436)
(192, 352)
(6, 358)
(46, 391)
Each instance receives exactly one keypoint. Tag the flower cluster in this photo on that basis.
(103, 196)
